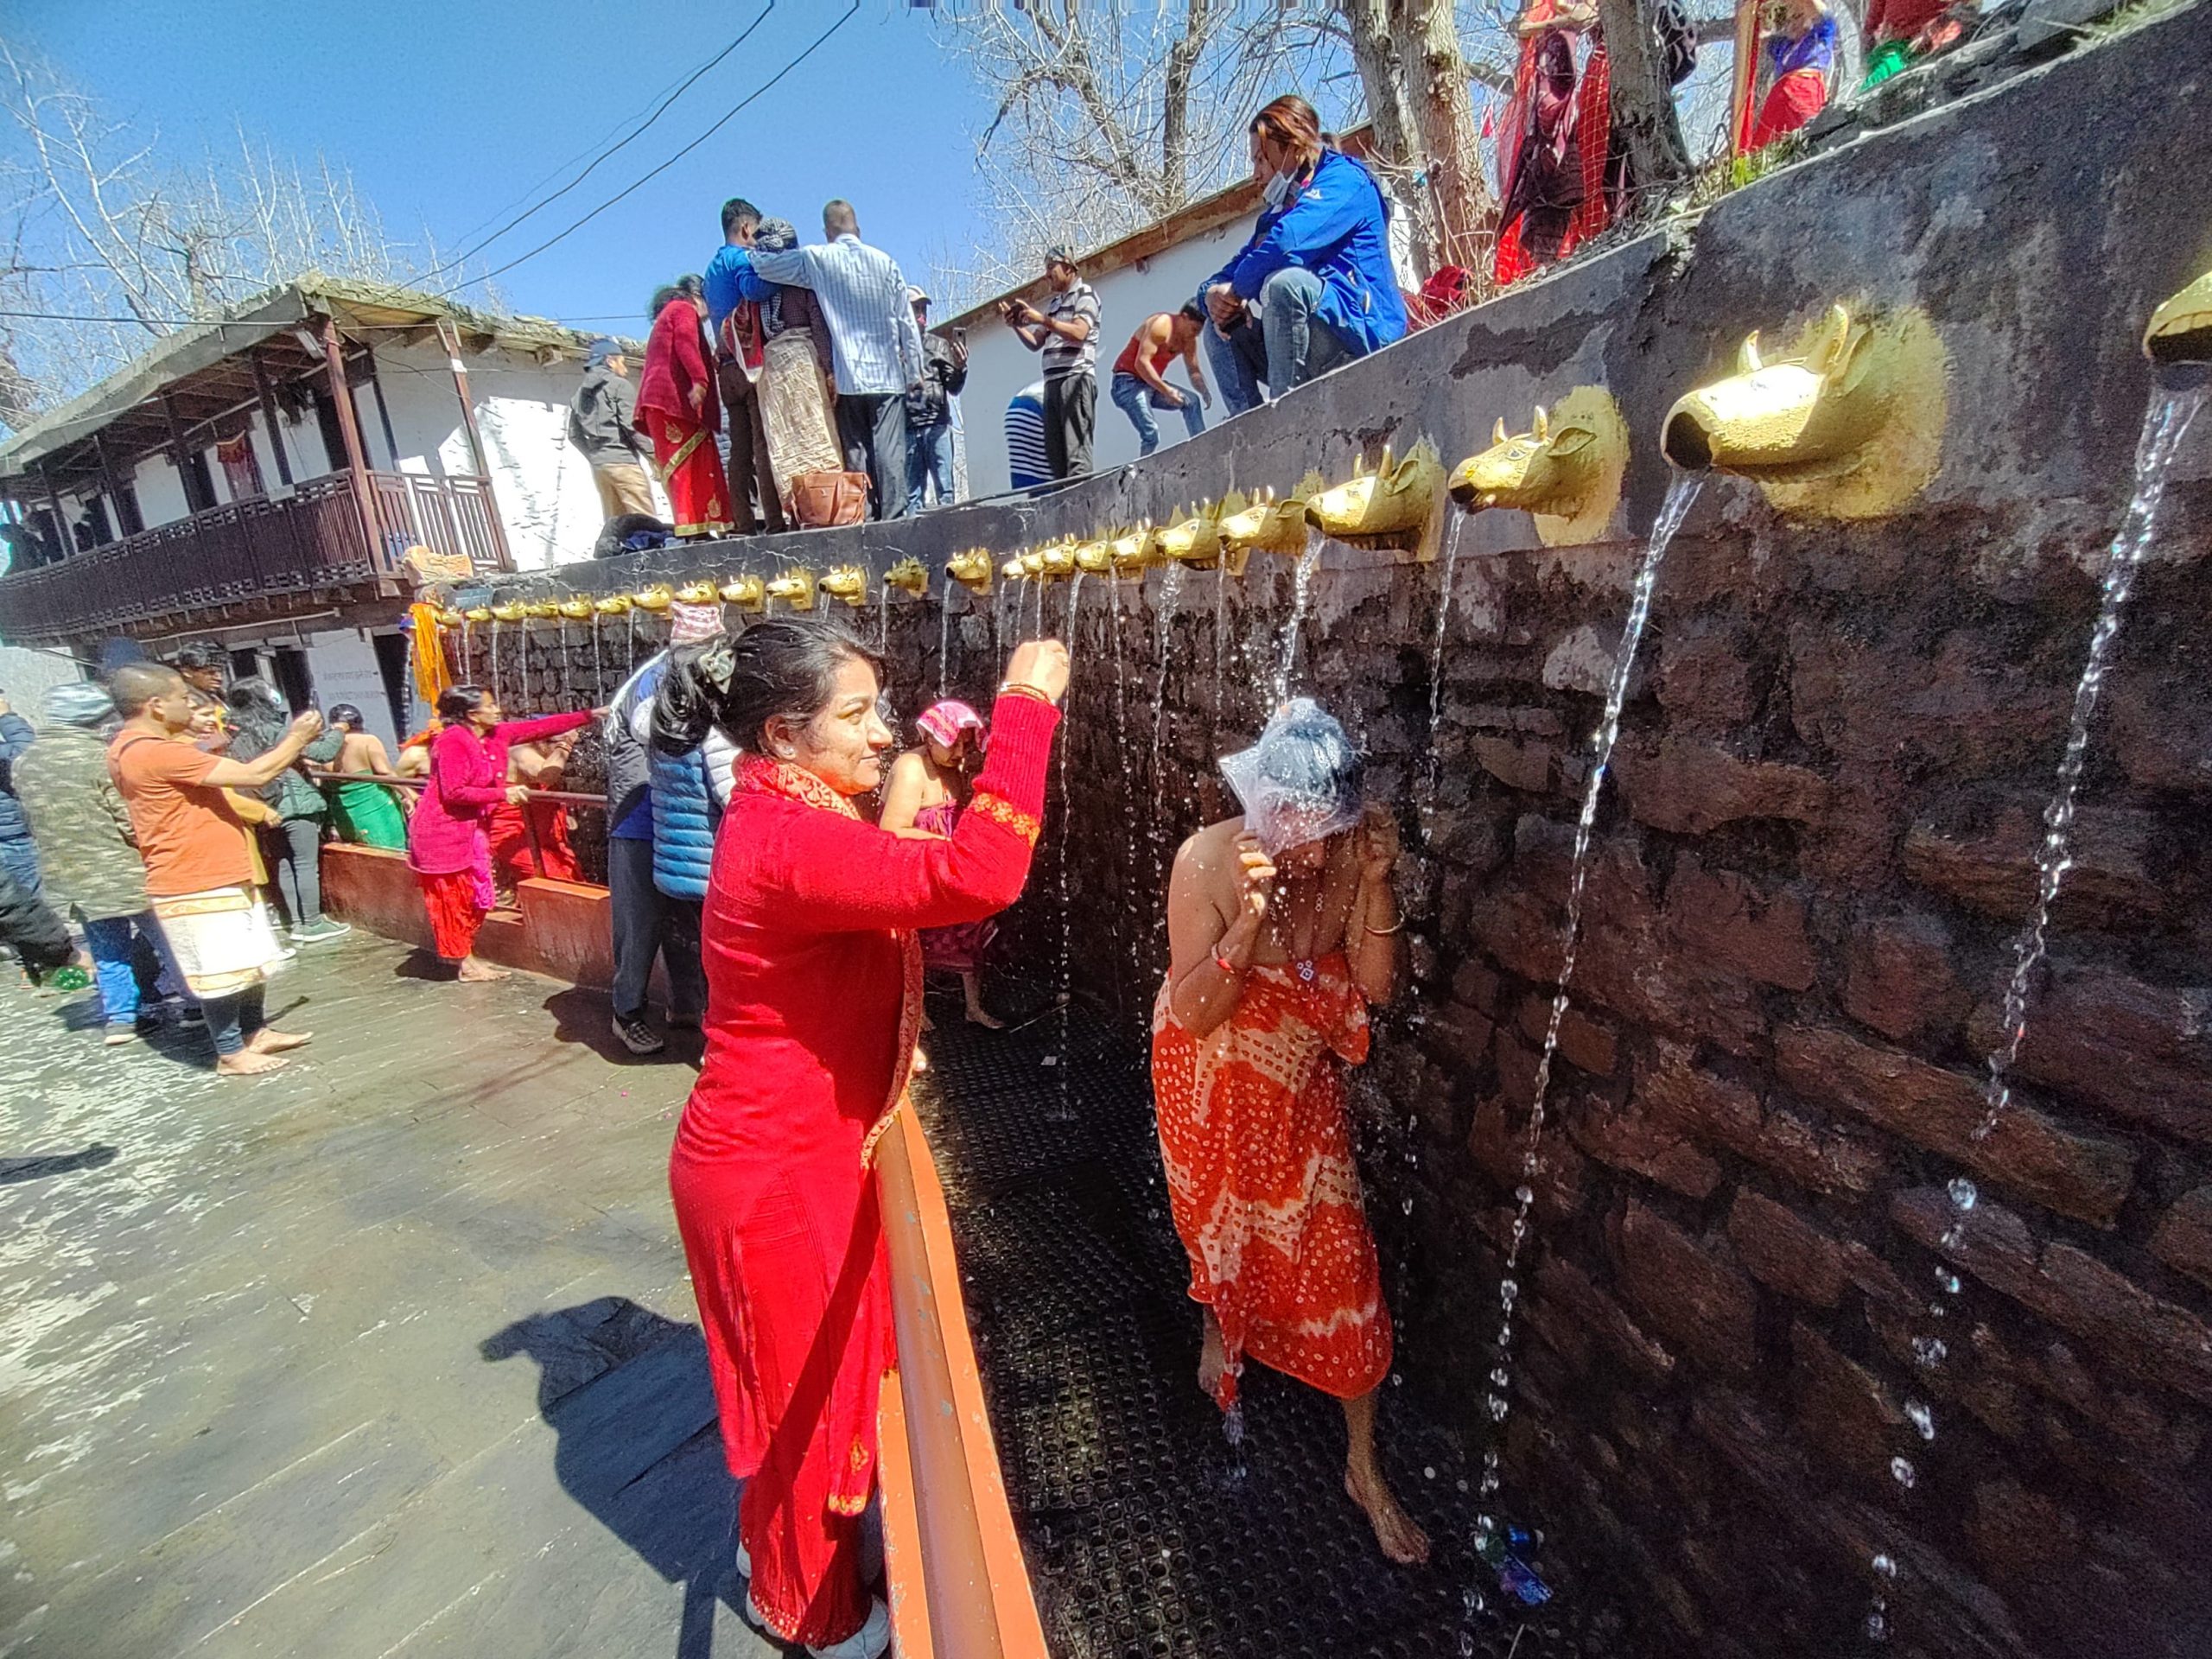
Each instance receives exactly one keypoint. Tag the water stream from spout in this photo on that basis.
(1220, 637)
(883, 618)
(945, 640)
(1171, 594)
(2163, 426)
(1432, 767)
(1681, 493)
(1301, 595)
(495, 659)
(1128, 765)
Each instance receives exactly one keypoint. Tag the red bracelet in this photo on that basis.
(1225, 964)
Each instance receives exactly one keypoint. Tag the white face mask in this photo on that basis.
(1276, 189)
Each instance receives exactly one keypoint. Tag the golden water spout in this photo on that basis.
(1136, 551)
(1391, 506)
(655, 598)
(795, 589)
(1056, 561)
(847, 582)
(576, 607)
(450, 618)
(697, 592)
(1566, 469)
(1193, 539)
(748, 593)
(476, 613)
(612, 604)
(908, 577)
(1093, 556)
(971, 570)
(2181, 329)
(507, 611)
(1847, 422)
(1015, 569)
(1268, 524)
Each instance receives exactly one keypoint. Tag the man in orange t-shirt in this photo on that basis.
(199, 873)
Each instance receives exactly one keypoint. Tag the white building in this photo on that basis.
(257, 479)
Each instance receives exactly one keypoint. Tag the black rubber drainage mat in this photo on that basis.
(1147, 1535)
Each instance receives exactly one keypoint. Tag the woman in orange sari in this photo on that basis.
(1282, 930)
(679, 408)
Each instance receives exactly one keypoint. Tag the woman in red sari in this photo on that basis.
(680, 410)
(447, 845)
(1281, 931)
(814, 979)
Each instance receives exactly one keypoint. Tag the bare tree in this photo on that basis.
(112, 245)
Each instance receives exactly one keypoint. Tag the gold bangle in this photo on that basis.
(1384, 933)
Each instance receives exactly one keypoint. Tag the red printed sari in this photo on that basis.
(1261, 1183)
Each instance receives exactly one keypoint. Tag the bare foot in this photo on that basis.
(1402, 1540)
(477, 973)
(979, 1015)
(1213, 1359)
(269, 1040)
(247, 1064)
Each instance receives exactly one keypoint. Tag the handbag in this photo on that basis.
(819, 499)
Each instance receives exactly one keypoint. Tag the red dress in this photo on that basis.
(813, 1001)
(685, 459)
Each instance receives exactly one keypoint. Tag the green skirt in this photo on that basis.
(366, 813)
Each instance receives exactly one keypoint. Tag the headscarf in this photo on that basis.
(1301, 782)
(943, 722)
(79, 702)
(690, 623)
(773, 236)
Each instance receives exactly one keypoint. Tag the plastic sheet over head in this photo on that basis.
(1301, 781)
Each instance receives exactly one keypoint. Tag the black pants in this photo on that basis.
(872, 429)
(293, 851)
(750, 477)
(646, 924)
(1070, 417)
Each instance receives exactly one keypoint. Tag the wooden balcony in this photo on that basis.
(260, 552)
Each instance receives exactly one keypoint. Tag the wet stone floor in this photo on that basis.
(390, 1353)
(1148, 1536)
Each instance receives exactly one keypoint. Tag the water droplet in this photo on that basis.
(1428, 1471)
(1408, 1206)
(1930, 1351)
(1963, 1194)
(1498, 1408)
(1508, 1291)
(1901, 1471)
(1949, 1280)
(1884, 1565)
(1921, 1418)
(1502, 1377)
(1877, 1628)
(1466, 1645)
(1953, 1238)
(1524, 1195)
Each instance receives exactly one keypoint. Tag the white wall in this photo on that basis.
(544, 491)
(26, 673)
(343, 666)
(999, 365)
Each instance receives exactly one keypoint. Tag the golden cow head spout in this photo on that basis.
(908, 577)
(1269, 524)
(1093, 556)
(1194, 539)
(2180, 335)
(847, 582)
(697, 592)
(748, 593)
(795, 589)
(1390, 507)
(1566, 469)
(1056, 560)
(1848, 424)
(971, 570)
(1135, 552)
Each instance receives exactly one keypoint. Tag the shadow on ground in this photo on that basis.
(627, 1393)
(95, 1156)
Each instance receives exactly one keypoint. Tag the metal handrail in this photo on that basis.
(561, 796)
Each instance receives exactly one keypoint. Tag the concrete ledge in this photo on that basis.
(562, 930)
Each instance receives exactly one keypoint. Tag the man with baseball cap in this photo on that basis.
(1066, 332)
(599, 426)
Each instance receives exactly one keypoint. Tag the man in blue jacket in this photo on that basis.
(1317, 268)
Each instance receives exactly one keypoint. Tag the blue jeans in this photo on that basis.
(1137, 401)
(929, 455)
(21, 857)
(1286, 345)
(118, 945)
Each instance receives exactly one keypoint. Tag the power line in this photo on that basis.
(607, 154)
(729, 115)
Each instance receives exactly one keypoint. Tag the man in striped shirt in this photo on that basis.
(1066, 331)
(874, 346)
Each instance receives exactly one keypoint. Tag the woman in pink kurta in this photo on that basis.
(447, 844)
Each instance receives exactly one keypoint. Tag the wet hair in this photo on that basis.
(457, 703)
(196, 655)
(737, 683)
(738, 211)
(1290, 120)
(345, 714)
(136, 684)
(1190, 313)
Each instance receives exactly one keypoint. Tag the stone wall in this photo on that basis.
(1806, 883)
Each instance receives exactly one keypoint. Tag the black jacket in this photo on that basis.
(943, 375)
(31, 928)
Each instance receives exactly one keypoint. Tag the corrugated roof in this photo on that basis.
(360, 308)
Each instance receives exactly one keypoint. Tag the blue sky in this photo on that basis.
(448, 113)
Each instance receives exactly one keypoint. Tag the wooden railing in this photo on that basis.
(310, 540)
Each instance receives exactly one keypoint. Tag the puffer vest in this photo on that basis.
(685, 818)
